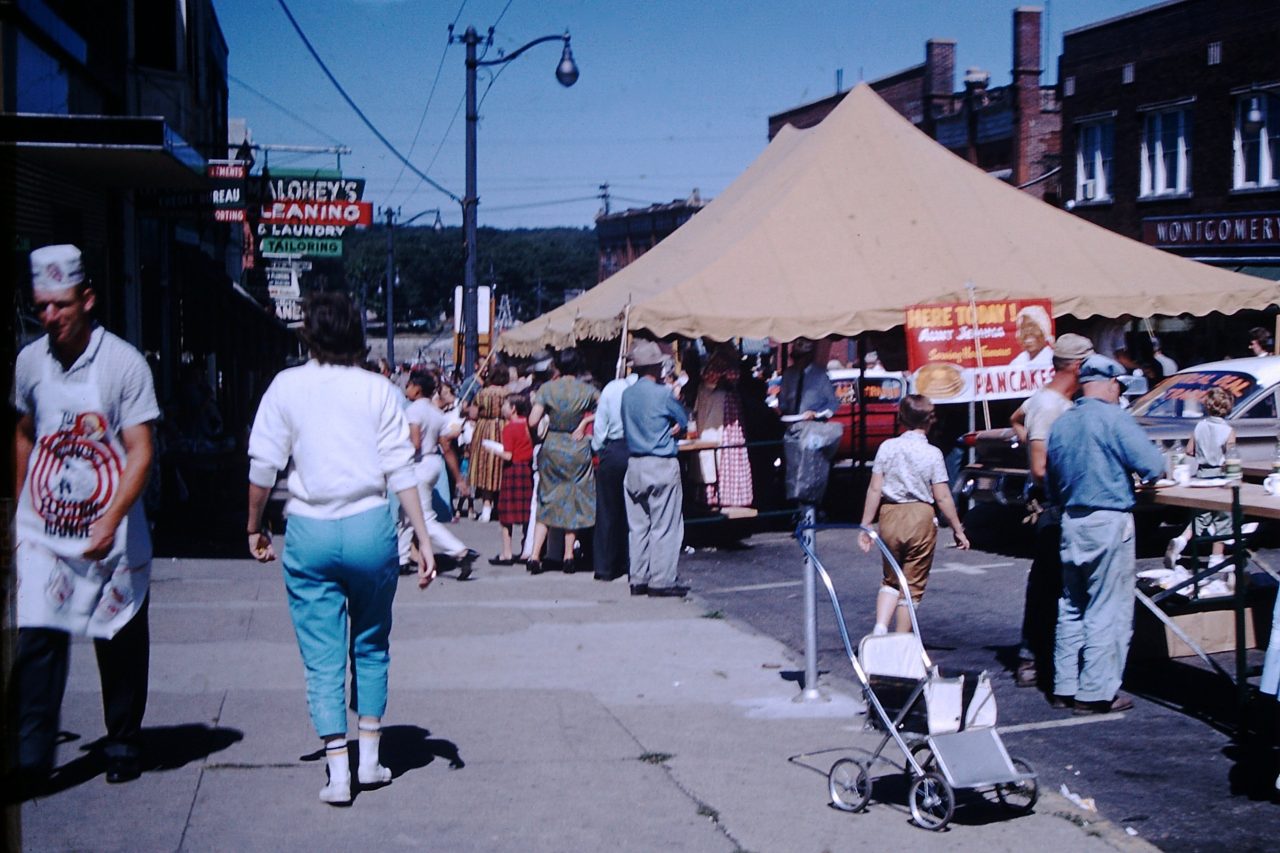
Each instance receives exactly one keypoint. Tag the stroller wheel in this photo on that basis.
(849, 783)
(932, 802)
(923, 754)
(1019, 796)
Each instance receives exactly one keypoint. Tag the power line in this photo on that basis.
(369, 124)
(282, 108)
(430, 95)
(539, 204)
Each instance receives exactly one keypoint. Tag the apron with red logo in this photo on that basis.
(73, 475)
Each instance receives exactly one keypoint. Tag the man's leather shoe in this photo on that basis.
(675, 591)
(122, 769)
(639, 589)
(1062, 703)
(1102, 706)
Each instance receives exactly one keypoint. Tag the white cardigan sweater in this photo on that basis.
(345, 430)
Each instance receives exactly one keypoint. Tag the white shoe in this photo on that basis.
(1216, 559)
(486, 513)
(336, 793)
(879, 630)
(375, 775)
(1171, 554)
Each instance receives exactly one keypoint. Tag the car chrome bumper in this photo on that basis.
(1004, 486)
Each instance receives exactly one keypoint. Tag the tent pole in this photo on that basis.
(977, 345)
(620, 368)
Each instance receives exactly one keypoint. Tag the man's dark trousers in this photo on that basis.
(40, 680)
(610, 539)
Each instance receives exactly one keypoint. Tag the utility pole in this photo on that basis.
(390, 287)
(604, 196)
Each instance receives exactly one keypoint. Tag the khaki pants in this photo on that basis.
(909, 533)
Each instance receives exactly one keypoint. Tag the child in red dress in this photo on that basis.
(516, 493)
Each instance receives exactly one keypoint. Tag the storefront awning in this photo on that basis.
(115, 151)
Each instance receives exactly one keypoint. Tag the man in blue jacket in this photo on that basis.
(1094, 450)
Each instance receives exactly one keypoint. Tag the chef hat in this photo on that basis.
(56, 268)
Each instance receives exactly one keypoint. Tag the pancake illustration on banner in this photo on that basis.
(939, 380)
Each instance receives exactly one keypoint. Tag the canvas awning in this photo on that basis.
(835, 230)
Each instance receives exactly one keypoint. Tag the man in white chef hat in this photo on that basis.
(83, 447)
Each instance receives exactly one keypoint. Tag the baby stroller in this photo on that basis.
(944, 727)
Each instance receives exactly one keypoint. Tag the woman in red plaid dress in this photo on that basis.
(516, 492)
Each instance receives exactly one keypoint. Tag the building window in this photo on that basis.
(1094, 143)
(1257, 141)
(1166, 153)
(1069, 87)
(1126, 73)
(1215, 52)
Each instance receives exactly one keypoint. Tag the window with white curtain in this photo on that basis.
(1166, 153)
(1257, 141)
(1094, 144)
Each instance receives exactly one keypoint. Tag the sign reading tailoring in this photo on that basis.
(306, 213)
(1012, 339)
(1254, 228)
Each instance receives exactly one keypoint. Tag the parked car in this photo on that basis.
(880, 392)
(1168, 413)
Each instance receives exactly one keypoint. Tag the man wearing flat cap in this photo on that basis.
(83, 449)
(1094, 450)
(651, 420)
(1031, 423)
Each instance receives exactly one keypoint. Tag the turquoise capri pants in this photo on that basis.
(341, 575)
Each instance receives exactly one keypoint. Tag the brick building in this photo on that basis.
(625, 235)
(1171, 118)
(1011, 131)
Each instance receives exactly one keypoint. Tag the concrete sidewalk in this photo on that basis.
(527, 713)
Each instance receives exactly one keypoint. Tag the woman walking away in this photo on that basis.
(908, 478)
(346, 435)
(567, 485)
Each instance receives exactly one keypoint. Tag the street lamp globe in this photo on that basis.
(567, 70)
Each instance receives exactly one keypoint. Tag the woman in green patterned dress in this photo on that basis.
(566, 482)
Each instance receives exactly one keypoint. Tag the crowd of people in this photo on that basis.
(372, 468)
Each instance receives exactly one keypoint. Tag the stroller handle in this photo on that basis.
(808, 548)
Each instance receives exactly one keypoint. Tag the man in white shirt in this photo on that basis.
(609, 541)
(83, 449)
(1032, 422)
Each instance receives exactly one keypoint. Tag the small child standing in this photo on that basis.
(467, 502)
(516, 492)
(908, 479)
(1208, 446)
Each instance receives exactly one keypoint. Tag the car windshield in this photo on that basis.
(1181, 395)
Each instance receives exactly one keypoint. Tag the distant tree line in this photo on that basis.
(534, 266)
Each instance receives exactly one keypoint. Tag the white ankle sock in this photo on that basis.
(879, 630)
(339, 788)
(370, 772)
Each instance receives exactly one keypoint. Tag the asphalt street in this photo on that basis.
(1168, 771)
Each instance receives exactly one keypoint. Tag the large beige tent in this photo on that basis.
(835, 230)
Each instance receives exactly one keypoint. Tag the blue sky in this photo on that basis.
(672, 95)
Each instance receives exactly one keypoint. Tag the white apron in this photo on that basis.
(72, 477)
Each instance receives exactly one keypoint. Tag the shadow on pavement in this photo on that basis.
(163, 748)
(406, 748)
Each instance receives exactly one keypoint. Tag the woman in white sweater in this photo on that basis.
(343, 430)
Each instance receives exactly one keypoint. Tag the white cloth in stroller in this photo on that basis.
(901, 655)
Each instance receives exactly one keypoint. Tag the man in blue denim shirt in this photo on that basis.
(1094, 449)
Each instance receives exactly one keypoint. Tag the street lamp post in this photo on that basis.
(567, 75)
(391, 272)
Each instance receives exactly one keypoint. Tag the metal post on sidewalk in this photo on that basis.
(810, 691)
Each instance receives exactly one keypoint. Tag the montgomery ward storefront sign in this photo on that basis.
(1256, 228)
